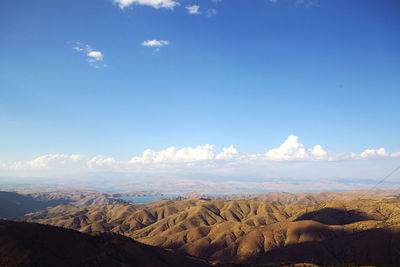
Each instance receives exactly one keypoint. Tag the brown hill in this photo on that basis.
(304, 198)
(79, 198)
(30, 244)
(249, 231)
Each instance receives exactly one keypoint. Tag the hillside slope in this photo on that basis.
(30, 244)
(303, 198)
(237, 231)
(15, 204)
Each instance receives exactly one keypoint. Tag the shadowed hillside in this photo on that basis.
(334, 216)
(15, 204)
(30, 244)
(372, 247)
(236, 231)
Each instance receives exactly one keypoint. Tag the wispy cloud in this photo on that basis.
(155, 43)
(314, 3)
(194, 9)
(211, 12)
(168, 4)
(307, 3)
(94, 57)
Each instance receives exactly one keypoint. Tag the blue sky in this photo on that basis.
(240, 72)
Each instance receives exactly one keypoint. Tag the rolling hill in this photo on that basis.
(249, 231)
(304, 198)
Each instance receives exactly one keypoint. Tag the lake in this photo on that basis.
(148, 199)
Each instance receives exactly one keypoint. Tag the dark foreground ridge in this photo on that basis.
(32, 244)
(376, 247)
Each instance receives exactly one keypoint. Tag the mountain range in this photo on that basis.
(248, 231)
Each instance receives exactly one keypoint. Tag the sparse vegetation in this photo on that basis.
(248, 231)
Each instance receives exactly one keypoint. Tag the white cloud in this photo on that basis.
(93, 57)
(211, 12)
(173, 155)
(289, 150)
(168, 4)
(49, 161)
(100, 161)
(228, 153)
(395, 155)
(194, 9)
(292, 150)
(155, 43)
(291, 159)
(318, 152)
(186, 154)
(216, 1)
(374, 153)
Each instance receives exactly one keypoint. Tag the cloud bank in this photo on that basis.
(290, 159)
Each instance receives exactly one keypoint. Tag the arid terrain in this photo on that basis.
(286, 198)
(302, 227)
(18, 203)
(273, 228)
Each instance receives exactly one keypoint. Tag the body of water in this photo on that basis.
(148, 199)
